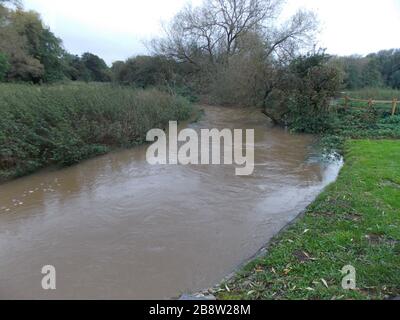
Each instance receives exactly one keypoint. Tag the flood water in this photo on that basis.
(116, 227)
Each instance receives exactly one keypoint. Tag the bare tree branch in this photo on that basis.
(210, 34)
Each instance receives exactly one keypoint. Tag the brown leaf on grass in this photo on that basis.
(287, 271)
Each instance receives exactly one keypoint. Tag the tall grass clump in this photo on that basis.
(64, 124)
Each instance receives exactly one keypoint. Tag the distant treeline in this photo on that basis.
(380, 69)
(207, 53)
(30, 52)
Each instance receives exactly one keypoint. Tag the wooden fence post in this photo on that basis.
(394, 106)
(346, 102)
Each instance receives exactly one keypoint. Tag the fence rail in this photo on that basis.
(371, 102)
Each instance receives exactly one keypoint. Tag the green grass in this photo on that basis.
(359, 123)
(374, 93)
(64, 124)
(381, 94)
(355, 221)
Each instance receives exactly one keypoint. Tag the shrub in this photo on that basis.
(302, 94)
(67, 123)
(4, 66)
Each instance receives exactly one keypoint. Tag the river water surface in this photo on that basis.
(116, 227)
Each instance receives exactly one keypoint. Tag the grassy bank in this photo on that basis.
(374, 93)
(358, 121)
(64, 124)
(356, 221)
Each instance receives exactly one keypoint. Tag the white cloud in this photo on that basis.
(355, 26)
(116, 29)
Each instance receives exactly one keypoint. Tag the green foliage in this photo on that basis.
(145, 71)
(301, 97)
(354, 222)
(37, 55)
(394, 79)
(65, 124)
(357, 121)
(154, 71)
(316, 84)
(375, 70)
(97, 69)
(4, 66)
(35, 52)
(186, 92)
(374, 93)
(371, 75)
(15, 44)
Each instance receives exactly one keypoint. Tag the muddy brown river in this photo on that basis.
(116, 227)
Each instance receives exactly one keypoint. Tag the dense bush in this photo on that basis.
(145, 71)
(300, 97)
(65, 124)
(360, 123)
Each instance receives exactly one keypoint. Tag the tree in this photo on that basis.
(35, 53)
(4, 66)
(22, 65)
(371, 75)
(242, 80)
(301, 94)
(395, 80)
(226, 40)
(15, 3)
(389, 66)
(75, 69)
(210, 34)
(145, 71)
(97, 68)
(41, 43)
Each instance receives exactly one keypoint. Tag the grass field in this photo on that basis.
(63, 124)
(374, 93)
(356, 221)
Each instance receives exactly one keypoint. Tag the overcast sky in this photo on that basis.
(117, 29)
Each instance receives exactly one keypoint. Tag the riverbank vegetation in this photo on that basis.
(229, 53)
(63, 124)
(221, 52)
(358, 120)
(353, 222)
(374, 93)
